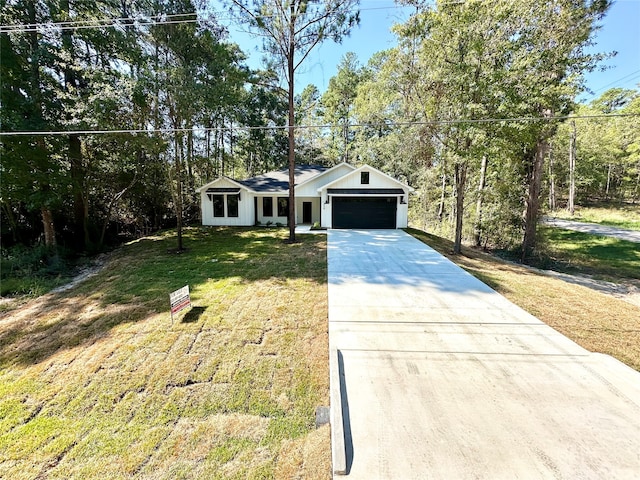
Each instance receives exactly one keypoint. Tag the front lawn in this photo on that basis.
(97, 383)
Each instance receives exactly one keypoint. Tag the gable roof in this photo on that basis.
(359, 169)
(327, 170)
(278, 180)
(213, 182)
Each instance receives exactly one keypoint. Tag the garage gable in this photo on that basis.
(366, 178)
(365, 198)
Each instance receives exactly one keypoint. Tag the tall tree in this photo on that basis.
(290, 30)
(308, 113)
(338, 107)
(474, 60)
(548, 59)
(456, 61)
(32, 174)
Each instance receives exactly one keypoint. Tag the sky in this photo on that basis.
(620, 32)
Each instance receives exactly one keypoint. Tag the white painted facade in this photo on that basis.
(245, 204)
(314, 191)
(377, 180)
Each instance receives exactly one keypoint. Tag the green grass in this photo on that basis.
(34, 271)
(621, 216)
(577, 252)
(96, 382)
(594, 320)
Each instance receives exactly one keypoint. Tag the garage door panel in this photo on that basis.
(364, 212)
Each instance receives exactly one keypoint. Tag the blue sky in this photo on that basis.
(620, 32)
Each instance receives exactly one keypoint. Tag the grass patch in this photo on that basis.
(577, 252)
(596, 321)
(95, 382)
(622, 216)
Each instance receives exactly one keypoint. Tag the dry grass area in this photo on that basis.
(96, 382)
(596, 321)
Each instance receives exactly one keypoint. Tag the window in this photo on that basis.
(232, 205)
(267, 207)
(283, 207)
(218, 205)
(364, 178)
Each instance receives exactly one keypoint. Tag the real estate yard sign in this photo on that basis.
(180, 300)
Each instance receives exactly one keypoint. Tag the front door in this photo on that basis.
(306, 212)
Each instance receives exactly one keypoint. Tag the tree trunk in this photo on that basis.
(189, 161)
(216, 152)
(221, 149)
(11, 220)
(178, 153)
(233, 163)
(481, 185)
(532, 207)
(552, 182)
(345, 130)
(74, 144)
(112, 203)
(36, 94)
(80, 210)
(443, 190)
(572, 169)
(291, 129)
(606, 193)
(461, 180)
(49, 229)
(207, 152)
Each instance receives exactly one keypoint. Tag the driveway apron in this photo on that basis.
(435, 375)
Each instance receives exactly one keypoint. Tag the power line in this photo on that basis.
(633, 75)
(160, 19)
(328, 125)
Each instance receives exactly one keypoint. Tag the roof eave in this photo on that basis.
(235, 182)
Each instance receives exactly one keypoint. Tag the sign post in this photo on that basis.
(180, 299)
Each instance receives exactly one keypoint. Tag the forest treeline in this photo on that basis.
(166, 74)
(472, 107)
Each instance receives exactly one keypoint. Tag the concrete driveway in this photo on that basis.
(435, 375)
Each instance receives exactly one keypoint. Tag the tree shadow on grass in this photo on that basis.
(55, 322)
(136, 282)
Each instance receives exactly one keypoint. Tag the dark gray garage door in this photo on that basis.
(363, 212)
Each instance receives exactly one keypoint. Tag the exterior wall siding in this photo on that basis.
(315, 208)
(274, 219)
(245, 207)
(376, 180)
(245, 211)
(311, 189)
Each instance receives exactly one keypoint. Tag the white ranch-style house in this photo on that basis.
(338, 197)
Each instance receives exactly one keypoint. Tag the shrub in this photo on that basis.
(28, 270)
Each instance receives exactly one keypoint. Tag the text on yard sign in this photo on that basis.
(180, 300)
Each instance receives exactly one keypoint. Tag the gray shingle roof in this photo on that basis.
(278, 181)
